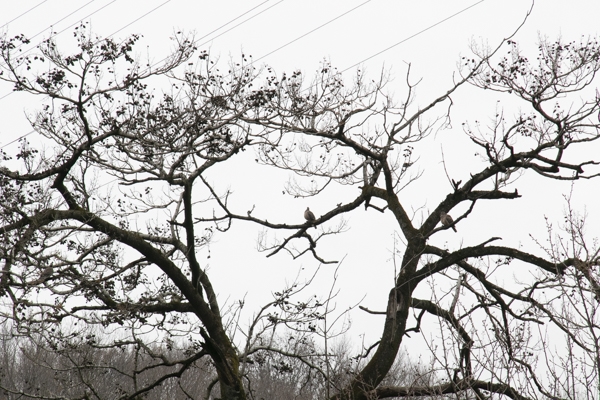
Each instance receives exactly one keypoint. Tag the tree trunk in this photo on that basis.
(399, 301)
(227, 365)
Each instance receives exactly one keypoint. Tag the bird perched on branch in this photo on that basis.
(44, 276)
(309, 216)
(447, 220)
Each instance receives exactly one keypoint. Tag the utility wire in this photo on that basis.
(215, 30)
(60, 20)
(224, 32)
(138, 18)
(311, 31)
(59, 32)
(235, 26)
(413, 36)
(17, 139)
(26, 12)
(112, 34)
(144, 15)
(236, 18)
(39, 33)
(211, 32)
(300, 37)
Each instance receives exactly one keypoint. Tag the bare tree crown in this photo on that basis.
(105, 224)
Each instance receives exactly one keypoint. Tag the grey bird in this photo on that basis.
(44, 276)
(447, 220)
(309, 216)
(46, 273)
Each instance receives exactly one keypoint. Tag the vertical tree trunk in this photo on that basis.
(399, 302)
(227, 365)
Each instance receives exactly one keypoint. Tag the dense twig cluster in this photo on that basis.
(104, 223)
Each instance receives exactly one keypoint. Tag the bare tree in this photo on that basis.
(120, 151)
(104, 223)
(341, 145)
(104, 226)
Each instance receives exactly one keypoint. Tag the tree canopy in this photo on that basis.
(104, 219)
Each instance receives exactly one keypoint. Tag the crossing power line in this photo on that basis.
(429, 27)
(137, 19)
(24, 13)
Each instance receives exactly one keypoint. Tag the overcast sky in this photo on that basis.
(375, 34)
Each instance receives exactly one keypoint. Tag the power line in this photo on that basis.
(297, 38)
(26, 12)
(154, 9)
(59, 32)
(311, 31)
(215, 30)
(17, 139)
(292, 41)
(211, 32)
(137, 19)
(413, 36)
(112, 34)
(228, 30)
(236, 18)
(37, 34)
(241, 23)
(60, 20)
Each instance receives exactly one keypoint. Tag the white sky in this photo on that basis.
(353, 37)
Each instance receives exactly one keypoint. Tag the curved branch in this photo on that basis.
(385, 392)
